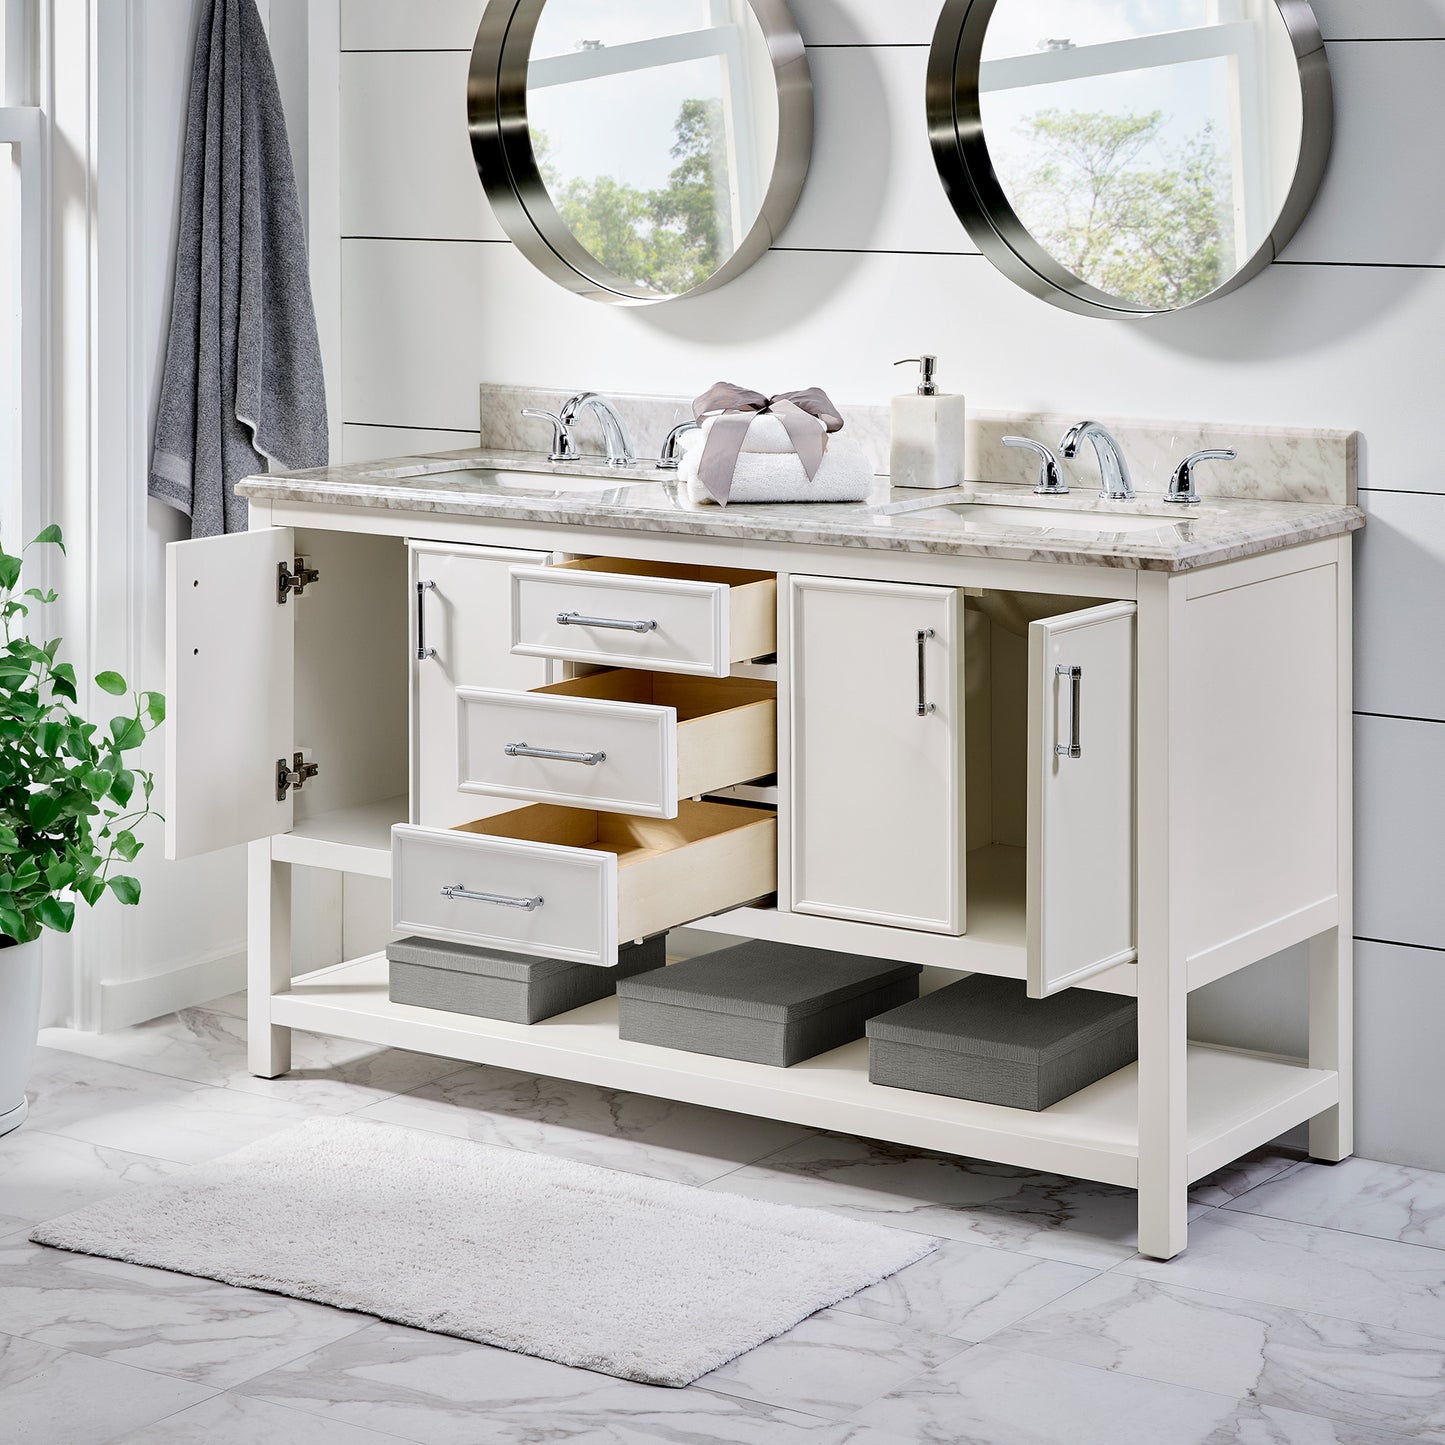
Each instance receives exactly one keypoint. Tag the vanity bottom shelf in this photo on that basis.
(1237, 1100)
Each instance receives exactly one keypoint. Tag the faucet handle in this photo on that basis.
(1051, 484)
(1181, 484)
(564, 449)
(668, 460)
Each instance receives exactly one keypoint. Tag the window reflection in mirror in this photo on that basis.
(1148, 145)
(655, 126)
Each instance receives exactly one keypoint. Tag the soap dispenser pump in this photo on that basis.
(928, 432)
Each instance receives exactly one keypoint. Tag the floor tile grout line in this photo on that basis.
(169, 1415)
(1333, 1229)
(240, 1394)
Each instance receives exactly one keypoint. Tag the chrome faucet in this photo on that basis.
(1181, 484)
(564, 444)
(614, 432)
(1118, 486)
(670, 460)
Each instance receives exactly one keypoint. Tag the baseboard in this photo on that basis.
(128, 1001)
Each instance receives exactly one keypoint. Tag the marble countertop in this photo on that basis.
(970, 522)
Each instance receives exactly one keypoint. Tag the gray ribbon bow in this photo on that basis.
(735, 408)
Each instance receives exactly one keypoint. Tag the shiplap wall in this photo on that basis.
(1344, 331)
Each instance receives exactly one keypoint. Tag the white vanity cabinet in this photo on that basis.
(1064, 771)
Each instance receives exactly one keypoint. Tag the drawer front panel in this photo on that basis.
(617, 757)
(658, 623)
(576, 919)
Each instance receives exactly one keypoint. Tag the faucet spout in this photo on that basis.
(1113, 469)
(614, 431)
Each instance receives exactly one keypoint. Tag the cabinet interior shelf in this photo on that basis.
(1237, 1100)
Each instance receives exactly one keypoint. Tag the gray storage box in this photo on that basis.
(985, 1039)
(765, 1003)
(492, 984)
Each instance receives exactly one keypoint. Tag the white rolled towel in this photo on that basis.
(767, 434)
(845, 476)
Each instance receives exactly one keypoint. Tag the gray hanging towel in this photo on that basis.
(243, 382)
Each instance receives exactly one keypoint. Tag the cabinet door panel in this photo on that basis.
(1080, 796)
(877, 784)
(464, 621)
(230, 689)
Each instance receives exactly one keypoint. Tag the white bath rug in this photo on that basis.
(634, 1277)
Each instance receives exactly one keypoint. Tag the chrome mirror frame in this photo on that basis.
(960, 151)
(502, 147)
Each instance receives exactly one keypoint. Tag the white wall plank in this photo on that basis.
(1399, 808)
(374, 443)
(1301, 346)
(406, 160)
(1400, 1066)
(407, 167)
(1370, 209)
(1380, 19)
(452, 24)
(410, 24)
(1400, 600)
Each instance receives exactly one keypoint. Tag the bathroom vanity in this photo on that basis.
(1079, 743)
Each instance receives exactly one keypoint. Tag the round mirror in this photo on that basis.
(1130, 157)
(640, 150)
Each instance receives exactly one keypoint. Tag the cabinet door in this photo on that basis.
(461, 600)
(877, 753)
(230, 690)
(1080, 898)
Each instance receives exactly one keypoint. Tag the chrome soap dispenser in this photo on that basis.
(928, 435)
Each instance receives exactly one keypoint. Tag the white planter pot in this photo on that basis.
(19, 1023)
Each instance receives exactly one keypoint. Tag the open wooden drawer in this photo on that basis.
(572, 884)
(617, 741)
(663, 616)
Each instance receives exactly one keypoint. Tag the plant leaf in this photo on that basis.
(9, 571)
(111, 682)
(9, 843)
(125, 888)
(127, 845)
(155, 706)
(127, 733)
(12, 925)
(44, 809)
(56, 913)
(51, 534)
(90, 889)
(122, 786)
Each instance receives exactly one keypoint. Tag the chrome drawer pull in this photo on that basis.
(576, 619)
(521, 750)
(924, 706)
(1073, 748)
(500, 899)
(422, 650)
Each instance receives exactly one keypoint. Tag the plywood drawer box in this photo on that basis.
(617, 741)
(665, 617)
(572, 884)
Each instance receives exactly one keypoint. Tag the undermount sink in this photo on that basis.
(992, 517)
(558, 482)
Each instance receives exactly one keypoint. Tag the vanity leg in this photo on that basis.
(1163, 983)
(268, 958)
(1331, 1040)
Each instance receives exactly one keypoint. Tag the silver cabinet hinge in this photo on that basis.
(293, 775)
(297, 581)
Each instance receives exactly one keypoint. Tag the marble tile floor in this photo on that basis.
(1308, 1310)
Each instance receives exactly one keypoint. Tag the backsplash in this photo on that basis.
(1276, 464)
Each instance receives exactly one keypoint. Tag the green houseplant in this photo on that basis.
(69, 808)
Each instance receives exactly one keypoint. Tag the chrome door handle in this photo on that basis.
(422, 650)
(521, 750)
(576, 619)
(1073, 748)
(924, 706)
(456, 890)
